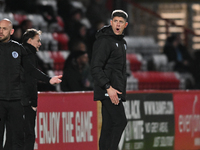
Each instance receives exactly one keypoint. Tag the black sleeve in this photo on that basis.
(100, 54)
(31, 69)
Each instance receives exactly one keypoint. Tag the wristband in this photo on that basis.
(107, 86)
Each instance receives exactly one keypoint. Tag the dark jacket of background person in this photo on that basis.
(97, 11)
(30, 83)
(178, 54)
(10, 87)
(108, 64)
(73, 75)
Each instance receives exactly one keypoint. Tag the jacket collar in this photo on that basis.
(107, 31)
(30, 47)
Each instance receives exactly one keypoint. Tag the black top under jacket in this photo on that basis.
(108, 64)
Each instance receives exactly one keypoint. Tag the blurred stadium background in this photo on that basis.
(150, 23)
(151, 75)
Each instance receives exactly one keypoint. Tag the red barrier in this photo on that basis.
(71, 121)
(66, 121)
(187, 120)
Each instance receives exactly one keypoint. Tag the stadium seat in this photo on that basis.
(48, 42)
(136, 62)
(38, 22)
(45, 40)
(159, 62)
(55, 59)
(65, 54)
(143, 45)
(132, 83)
(11, 17)
(60, 21)
(157, 80)
(58, 59)
(45, 57)
(62, 39)
(19, 17)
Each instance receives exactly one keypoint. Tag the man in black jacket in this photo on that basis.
(108, 68)
(13, 59)
(31, 42)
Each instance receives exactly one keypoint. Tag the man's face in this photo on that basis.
(5, 30)
(118, 25)
(36, 42)
(83, 60)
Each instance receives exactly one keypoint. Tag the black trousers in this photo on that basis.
(30, 116)
(12, 112)
(29, 130)
(113, 124)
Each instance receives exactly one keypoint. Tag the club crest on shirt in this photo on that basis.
(15, 54)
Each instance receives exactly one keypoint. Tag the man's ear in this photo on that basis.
(29, 40)
(126, 24)
(12, 31)
(111, 22)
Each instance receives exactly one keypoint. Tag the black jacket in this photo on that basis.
(72, 77)
(108, 64)
(29, 82)
(13, 59)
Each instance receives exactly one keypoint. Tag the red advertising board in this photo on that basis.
(71, 121)
(187, 120)
(66, 121)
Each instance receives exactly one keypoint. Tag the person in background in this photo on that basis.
(75, 78)
(108, 68)
(73, 22)
(91, 37)
(14, 58)
(26, 24)
(17, 35)
(97, 11)
(79, 45)
(177, 53)
(64, 9)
